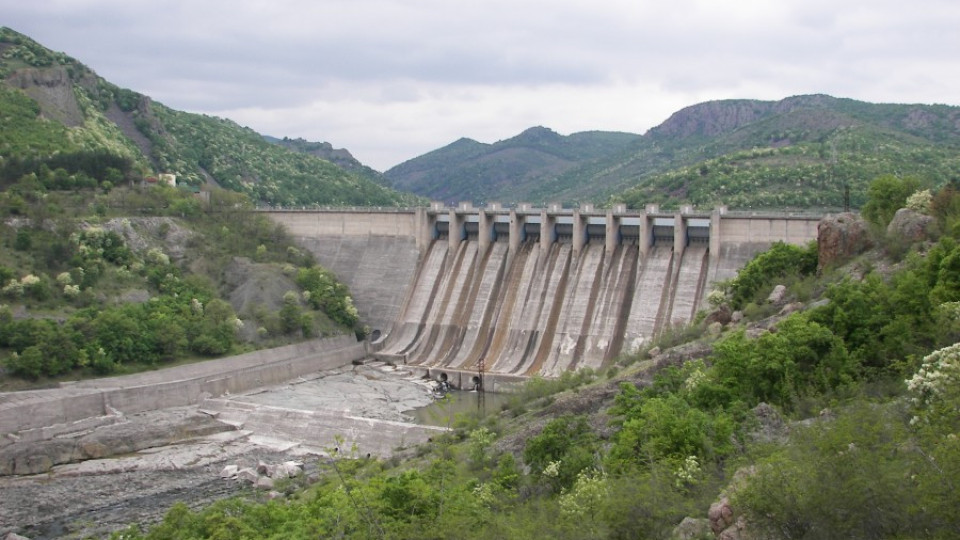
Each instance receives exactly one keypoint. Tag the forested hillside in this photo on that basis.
(98, 281)
(60, 118)
(829, 409)
(804, 151)
(507, 171)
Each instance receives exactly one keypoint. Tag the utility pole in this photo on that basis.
(481, 390)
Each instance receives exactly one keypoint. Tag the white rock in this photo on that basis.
(248, 475)
(293, 468)
(776, 296)
(264, 482)
(230, 471)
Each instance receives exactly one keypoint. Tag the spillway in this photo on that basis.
(542, 311)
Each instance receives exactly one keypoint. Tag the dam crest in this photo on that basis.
(531, 291)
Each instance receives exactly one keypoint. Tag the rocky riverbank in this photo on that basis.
(133, 468)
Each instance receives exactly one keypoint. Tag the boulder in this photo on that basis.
(792, 307)
(841, 236)
(264, 482)
(248, 475)
(720, 516)
(722, 315)
(691, 529)
(292, 468)
(777, 294)
(733, 532)
(230, 471)
(911, 226)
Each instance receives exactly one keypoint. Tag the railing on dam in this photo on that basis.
(583, 210)
(523, 223)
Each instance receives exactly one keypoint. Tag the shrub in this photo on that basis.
(780, 261)
(801, 358)
(564, 448)
(885, 195)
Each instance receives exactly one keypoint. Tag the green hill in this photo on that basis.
(800, 151)
(58, 114)
(509, 170)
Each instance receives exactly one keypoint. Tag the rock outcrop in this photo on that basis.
(911, 226)
(841, 236)
(143, 431)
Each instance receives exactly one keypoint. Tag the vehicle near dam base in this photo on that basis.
(531, 291)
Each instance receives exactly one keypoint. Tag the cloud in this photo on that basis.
(392, 79)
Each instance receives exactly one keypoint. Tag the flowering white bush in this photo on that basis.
(715, 298)
(586, 496)
(687, 472)
(64, 278)
(552, 470)
(697, 375)
(29, 280)
(936, 385)
(920, 201)
(350, 308)
(71, 291)
(157, 257)
(13, 288)
(486, 494)
(196, 306)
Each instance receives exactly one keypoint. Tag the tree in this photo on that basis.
(886, 195)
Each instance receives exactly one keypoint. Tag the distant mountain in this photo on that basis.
(799, 151)
(57, 114)
(508, 170)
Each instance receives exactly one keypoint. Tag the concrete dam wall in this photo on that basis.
(531, 291)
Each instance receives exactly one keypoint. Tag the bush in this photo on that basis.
(565, 447)
(885, 196)
(780, 261)
(848, 478)
(668, 428)
(802, 358)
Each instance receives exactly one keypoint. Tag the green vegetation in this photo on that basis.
(781, 261)
(72, 129)
(89, 302)
(862, 454)
(801, 152)
(804, 174)
(522, 168)
(194, 146)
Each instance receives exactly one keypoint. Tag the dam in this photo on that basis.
(529, 291)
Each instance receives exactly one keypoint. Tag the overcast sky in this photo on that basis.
(393, 79)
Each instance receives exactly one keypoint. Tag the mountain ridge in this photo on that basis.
(834, 141)
(804, 150)
(70, 110)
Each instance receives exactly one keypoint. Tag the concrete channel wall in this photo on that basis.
(22, 412)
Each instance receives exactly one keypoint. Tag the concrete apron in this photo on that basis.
(321, 404)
